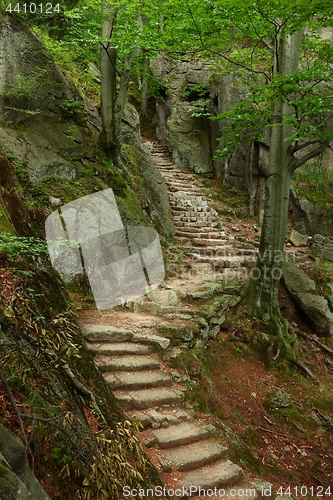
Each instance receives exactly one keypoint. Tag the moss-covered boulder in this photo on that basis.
(17, 481)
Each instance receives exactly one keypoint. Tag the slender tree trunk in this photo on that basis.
(109, 140)
(266, 276)
(144, 88)
(113, 96)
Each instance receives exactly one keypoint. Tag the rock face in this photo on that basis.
(192, 94)
(322, 247)
(157, 195)
(187, 137)
(17, 481)
(37, 99)
(310, 218)
(154, 185)
(314, 306)
(39, 116)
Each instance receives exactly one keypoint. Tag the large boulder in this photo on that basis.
(44, 148)
(17, 482)
(156, 194)
(310, 217)
(193, 93)
(190, 139)
(314, 306)
(37, 106)
(154, 185)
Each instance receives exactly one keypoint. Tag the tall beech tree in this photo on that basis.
(275, 48)
(129, 29)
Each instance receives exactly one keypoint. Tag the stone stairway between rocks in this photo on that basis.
(149, 392)
(199, 230)
(133, 360)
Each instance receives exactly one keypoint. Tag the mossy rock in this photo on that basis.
(5, 225)
(179, 334)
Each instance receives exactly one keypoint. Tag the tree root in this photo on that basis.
(302, 367)
(83, 390)
(13, 403)
(314, 339)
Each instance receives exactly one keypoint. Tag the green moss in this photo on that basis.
(34, 195)
(5, 225)
(130, 209)
(314, 182)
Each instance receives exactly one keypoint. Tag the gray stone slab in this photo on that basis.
(146, 398)
(184, 433)
(155, 340)
(141, 417)
(137, 380)
(183, 416)
(119, 348)
(210, 242)
(106, 333)
(215, 475)
(131, 363)
(195, 455)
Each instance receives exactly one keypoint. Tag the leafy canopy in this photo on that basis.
(240, 37)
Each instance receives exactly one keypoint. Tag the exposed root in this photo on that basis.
(303, 367)
(314, 339)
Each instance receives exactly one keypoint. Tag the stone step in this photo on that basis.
(197, 225)
(157, 341)
(184, 199)
(227, 261)
(193, 230)
(180, 179)
(205, 219)
(184, 433)
(166, 169)
(153, 418)
(209, 241)
(212, 476)
(195, 455)
(103, 333)
(119, 348)
(182, 186)
(200, 209)
(192, 216)
(176, 180)
(137, 380)
(194, 234)
(196, 200)
(130, 363)
(148, 398)
(224, 251)
(190, 212)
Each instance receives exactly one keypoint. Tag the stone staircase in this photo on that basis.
(150, 393)
(199, 230)
(132, 346)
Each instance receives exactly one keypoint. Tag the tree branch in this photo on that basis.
(13, 403)
(298, 162)
(226, 58)
(304, 145)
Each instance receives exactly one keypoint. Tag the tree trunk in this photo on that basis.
(144, 88)
(113, 97)
(266, 276)
(109, 139)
